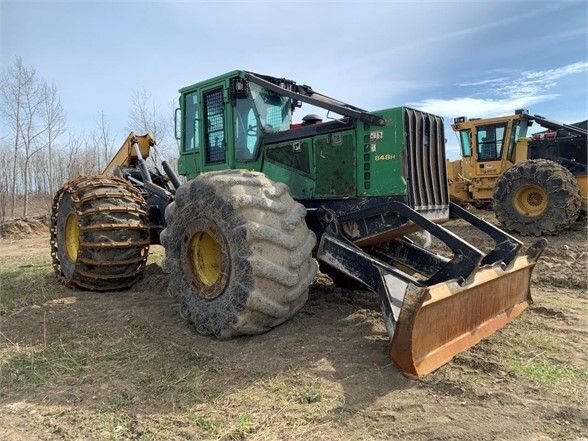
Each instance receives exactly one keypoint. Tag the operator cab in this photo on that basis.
(485, 143)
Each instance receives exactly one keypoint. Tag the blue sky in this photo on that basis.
(451, 58)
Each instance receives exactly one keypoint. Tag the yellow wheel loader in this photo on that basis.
(265, 199)
(536, 185)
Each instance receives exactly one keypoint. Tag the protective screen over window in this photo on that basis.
(215, 126)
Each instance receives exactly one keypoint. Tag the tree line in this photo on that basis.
(39, 152)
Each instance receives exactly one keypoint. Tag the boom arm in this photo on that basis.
(126, 155)
(309, 96)
(554, 125)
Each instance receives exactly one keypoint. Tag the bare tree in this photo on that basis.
(13, 81)
(144, 117)
(5, 179)
(103, 139)
(30, 129)
(54, 123)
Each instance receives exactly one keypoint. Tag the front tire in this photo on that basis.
(537, 197)
(238, 252)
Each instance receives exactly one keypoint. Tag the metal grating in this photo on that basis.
(273, 118)
(426, 173)
(215, 126)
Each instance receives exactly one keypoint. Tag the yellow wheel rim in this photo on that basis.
(205, 254)
(530, 200)
(72, 237)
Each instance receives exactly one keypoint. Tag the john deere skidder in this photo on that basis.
(241, 235)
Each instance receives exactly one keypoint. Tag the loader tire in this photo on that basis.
(99, 234)
(537, 197)
(238, 252)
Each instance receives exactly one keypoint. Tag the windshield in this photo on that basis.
(275, 111)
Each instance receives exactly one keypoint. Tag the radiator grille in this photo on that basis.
(425, 163)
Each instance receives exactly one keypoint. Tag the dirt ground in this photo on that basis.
(124, 365)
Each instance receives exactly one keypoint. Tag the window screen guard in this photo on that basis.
(215, 126)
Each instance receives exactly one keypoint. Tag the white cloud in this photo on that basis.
(491, 81)
(512, 92)
(535, 82)
(478, 107)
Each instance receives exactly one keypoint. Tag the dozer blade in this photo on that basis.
(437, 322)
(460, 301)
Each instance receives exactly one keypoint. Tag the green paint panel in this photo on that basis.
(301, 187)
(295, 155)
(335, 164)
(380, 156)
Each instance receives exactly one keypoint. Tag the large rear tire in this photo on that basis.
(238, 252)
(99, 234)
(537, 197)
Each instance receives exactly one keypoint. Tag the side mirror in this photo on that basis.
(178, 123)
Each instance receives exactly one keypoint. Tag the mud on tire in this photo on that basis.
(109, 234)
(559, 186)
(264, 252)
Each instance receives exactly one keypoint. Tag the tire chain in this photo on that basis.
(94, 182)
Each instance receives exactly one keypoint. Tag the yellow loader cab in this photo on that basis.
(536, 185)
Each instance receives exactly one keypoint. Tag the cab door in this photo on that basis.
(189, 160)
(490, 140)
(216, 132)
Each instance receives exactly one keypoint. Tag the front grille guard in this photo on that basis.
(425, 172)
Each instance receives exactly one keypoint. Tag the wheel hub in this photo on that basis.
(72, 237)
(530, 200)
(206, 260)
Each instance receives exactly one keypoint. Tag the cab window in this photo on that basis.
(513, 140)
(519, 130)
(191, 123)
(490, 140)
(214, 132)
(465, 140)
(247, 130)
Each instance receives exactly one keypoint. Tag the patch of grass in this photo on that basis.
(307, 391)
(82, 334)
(116, 404)
(546, 372)
(118, 426)
(29, 369)
(539, 357)
(114, 353)
(27, 284)
(213, 426)
(565, 302)
(135, 329)
(25, 371)
(76, 352)
(156, 254)
(242, 429)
